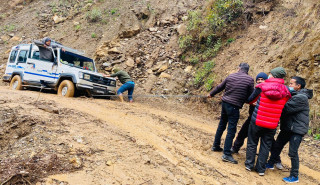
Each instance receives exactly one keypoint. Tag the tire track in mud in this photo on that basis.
(181, 141)
(180, 144)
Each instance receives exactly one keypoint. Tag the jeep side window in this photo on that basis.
(36, 55)
(13, 56)
(22, 56)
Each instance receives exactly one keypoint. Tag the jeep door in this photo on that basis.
(21, 63)
(41, 71)
(11, 65)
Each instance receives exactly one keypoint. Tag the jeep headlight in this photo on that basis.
(86, 76)
(80, 74)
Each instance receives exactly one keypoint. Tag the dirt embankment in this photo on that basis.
(107, 142)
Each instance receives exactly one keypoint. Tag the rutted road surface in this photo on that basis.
(140, 143)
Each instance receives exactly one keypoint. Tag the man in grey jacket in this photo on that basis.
(45, 51)
(294, 124)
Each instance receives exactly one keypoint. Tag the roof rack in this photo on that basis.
(67, 48)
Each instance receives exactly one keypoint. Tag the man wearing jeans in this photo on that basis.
(294, 124)
(238, 86)
(128, 84)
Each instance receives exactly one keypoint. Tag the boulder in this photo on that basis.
(15, 39)
(163, 68)
(153, 29)
(188, 69)
(5, 38)
(58, 19)
(130, 62)
(149, 71)
(130, 32)
(138, 60)
(114, 51)
(182, 29)
(165, 75)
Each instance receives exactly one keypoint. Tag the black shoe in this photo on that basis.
(229, 158)
(248, 168)
(233, 151)
(216, 149)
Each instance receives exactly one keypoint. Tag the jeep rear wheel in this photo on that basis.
(16, 83)
(66, 88)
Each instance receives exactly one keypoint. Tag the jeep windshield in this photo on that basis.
(76, 60)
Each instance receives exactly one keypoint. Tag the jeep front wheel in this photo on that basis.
(66, 88)
(16, 83)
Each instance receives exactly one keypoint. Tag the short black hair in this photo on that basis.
(299, 81)
(244, 67)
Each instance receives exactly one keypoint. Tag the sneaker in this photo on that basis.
(229, 158)
(216, 149)
(248, 168)
(233, 151)
(269, 166)
(291, 179)
(279, 166)
(261, 174)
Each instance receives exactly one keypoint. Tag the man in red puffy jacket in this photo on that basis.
(271, 96)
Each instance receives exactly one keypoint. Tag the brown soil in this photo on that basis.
(106, 142)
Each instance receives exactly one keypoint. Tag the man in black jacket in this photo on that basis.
(294, 124)
(238, 86)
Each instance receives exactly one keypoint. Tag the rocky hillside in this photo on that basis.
(142, 37)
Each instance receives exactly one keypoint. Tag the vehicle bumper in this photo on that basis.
(97, 90)
(6, 78)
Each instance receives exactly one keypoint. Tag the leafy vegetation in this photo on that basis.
(93, 35)
(9, 28)
(94, 15)
(206, 33)
(77, 27)
(203, 72)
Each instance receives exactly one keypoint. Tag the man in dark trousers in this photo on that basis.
(271, 96)
(243, 133)
(238, 86)
(294, 124)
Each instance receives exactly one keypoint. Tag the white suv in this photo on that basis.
(70, 71)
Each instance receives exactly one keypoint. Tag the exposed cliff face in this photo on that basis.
(288, 36)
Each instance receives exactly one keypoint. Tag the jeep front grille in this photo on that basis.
(101, 80)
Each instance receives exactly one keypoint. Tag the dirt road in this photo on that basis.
(121, 143)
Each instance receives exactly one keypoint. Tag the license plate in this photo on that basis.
(100, 90)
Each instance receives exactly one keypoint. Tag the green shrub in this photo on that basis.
(93, 35)
(77, 27)
(230, 40)
(113, 11)
(194, 60)
(9, 27)
(208, 26)
(203, 72)
(211, 51)
(209, 82)
(223, 12)
(94, 15)
(185, 42)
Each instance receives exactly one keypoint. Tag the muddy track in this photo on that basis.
(138, 143)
